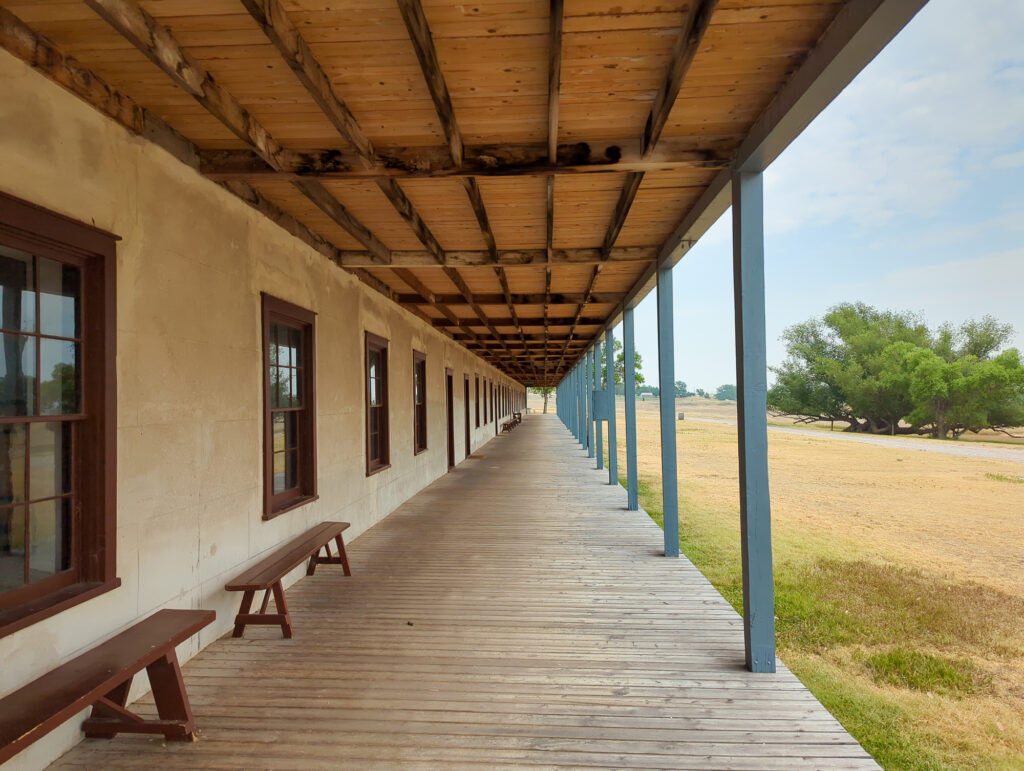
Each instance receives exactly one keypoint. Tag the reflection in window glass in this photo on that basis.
(58, 298)
(50, 459)
(58, 371)
(17, 374)
(49, 538)
(17, 291)
(12, 548)
(12, 463)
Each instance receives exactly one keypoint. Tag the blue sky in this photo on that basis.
(905, 193)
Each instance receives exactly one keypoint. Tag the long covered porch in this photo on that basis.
(513, 614)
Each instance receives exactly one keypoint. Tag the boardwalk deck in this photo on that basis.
(511, 615)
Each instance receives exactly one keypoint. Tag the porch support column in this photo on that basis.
(629, 378)
(613, 457)
(752, 393)
(667, 408)
(581, 431)
(578, 418)
(598, 430)
(589, 379)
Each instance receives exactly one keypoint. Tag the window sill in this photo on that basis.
(419, 452)
(297, 503)
(15, 619)
(371, 471)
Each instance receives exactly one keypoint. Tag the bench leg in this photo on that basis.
(110, 716)
(343, 554)
(243, 611)
(282, 610)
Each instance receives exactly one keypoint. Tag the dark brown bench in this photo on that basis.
(265, 576)
(511, 423)
(102, 678)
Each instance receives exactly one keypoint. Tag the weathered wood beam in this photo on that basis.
(698, 16)
(601, 157)
(506, 257)
(578, 319)
(581, 321)
(554, 75)
(159, 46)
(460, 284)
(293, 48)
(626, 198)
(423, 44)
(560, 298)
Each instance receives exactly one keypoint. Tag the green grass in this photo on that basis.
(877, 643)
(926, 672)
(1004, 478)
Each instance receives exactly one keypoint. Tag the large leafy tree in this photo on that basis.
(620, 365)
(885, 372)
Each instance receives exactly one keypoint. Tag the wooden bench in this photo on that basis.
(511, 423)
(102, 678)
(265, 576)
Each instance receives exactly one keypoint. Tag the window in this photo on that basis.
(378, 452)
(289, 427)
(476, 399)
(57, 413)
(419, 401)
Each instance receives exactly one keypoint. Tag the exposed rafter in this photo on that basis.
(560, 298)
(506, 257)
(698, 17)
(596, 157)
(159, 46)
(582, 321)
(555, 17)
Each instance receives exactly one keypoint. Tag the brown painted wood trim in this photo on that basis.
(45, 233)
(16, 619)
(275, 309)
(376, 342)
(418, 357)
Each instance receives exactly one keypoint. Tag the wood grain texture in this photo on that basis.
(532, 626)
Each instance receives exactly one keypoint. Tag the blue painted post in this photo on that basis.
(577, 423)
(629, 376)
(667, 406)
(752, 393)
(613, 447)
(588, 378)
(598, 427)
(582, 402)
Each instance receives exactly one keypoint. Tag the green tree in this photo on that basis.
(724, 392)
(885, 372)
(620, 365)
(681, 391)
(546, 392)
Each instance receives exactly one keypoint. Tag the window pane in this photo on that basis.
(17, 375)
(296, 347)
(277, 420)
(17, 298)
(374, 420)
(279, 486)
(58, 298)
(49, 538)
(50, 455)
(12, 548)
(291, 434)
(283, 351)
(12, 463)
(279, 386)
(58, 372)
(295, 388)
(374, 446)
(292, 470)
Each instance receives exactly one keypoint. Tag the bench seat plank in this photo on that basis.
(277, 565)
(37, 708)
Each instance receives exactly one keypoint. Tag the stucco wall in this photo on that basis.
(190, 269)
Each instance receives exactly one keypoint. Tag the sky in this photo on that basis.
(905, 193)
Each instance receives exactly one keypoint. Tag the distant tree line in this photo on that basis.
(886, 372)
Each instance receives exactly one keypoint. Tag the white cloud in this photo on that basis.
(911, 132)
(1009, 160)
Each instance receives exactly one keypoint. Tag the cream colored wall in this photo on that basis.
(190, 269)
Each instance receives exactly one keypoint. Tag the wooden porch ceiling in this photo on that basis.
(508, 172)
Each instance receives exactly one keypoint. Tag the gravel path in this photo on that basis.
(965, 450)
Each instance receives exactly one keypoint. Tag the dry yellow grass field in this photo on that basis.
(897, 549)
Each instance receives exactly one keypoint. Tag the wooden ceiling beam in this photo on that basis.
(159, 46)
(561, 298)
(460, 284)
(555, 18)
(292, 47)
(583, 321)
(698, 17)
(598, 157)
(506, 257)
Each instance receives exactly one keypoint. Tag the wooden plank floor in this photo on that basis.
(511, 615)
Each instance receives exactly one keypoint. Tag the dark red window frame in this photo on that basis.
(280, 314)
(476, 399)
(93, 518)
(419, 402)
(382, 460)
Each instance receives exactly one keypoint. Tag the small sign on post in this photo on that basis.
(603, 404)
